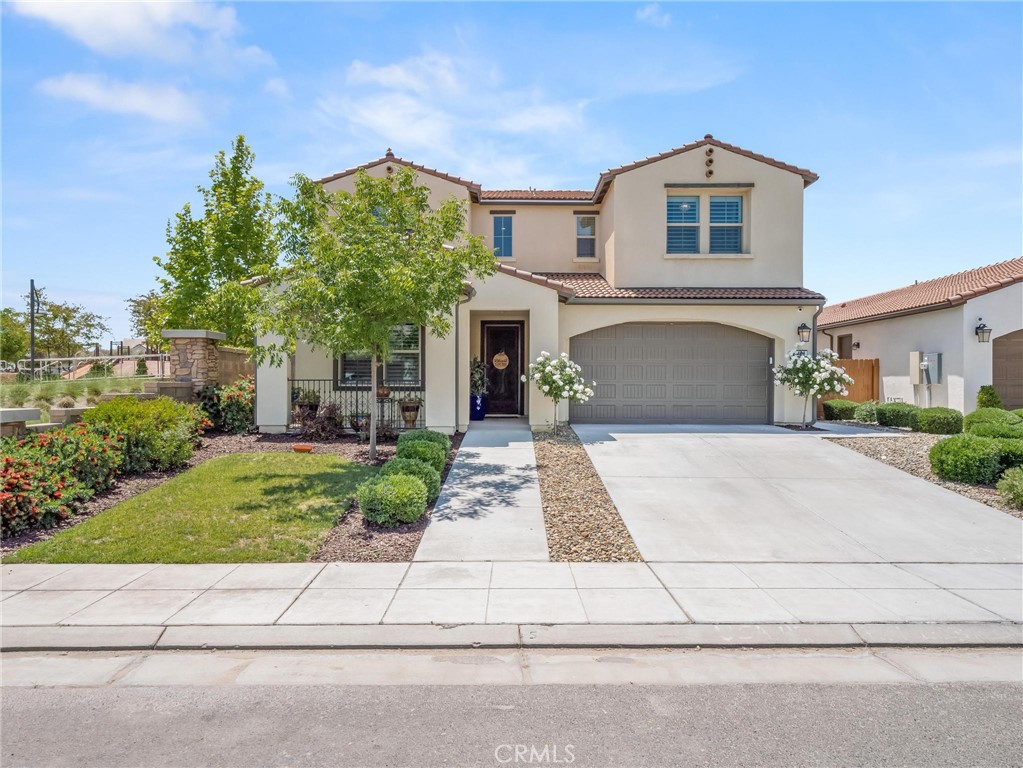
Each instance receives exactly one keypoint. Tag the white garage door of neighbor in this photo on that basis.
(674, 373)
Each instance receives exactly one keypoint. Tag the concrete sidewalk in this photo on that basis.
(489, 507)
(438, 604)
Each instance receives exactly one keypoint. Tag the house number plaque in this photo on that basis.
(500, 361)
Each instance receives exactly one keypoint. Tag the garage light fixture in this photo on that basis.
(804, 333)
(982, 331)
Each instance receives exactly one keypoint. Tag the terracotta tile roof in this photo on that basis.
(545, 280)
(390, 157)
(595, 286)
(948, 291)
(809, 177)
(582, 195)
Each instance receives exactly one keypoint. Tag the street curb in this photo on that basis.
(470, 636)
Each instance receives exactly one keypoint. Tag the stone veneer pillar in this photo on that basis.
(194, 357)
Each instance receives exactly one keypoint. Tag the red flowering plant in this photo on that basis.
(46, 477)
(230, 407)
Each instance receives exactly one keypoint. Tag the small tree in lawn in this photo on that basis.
(359, 264)
(809, 377)
(559, 379)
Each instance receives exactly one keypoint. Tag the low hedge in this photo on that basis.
(866, 413)
(997, 429)
(896, 414)
(967, 459)
(415, 468)
(47, 477)
(426, 435)
(990, 416)
(839, 410)
(1011, 452)
(391, 500)
(937, 421)
(424, 451)
(158, 434)
(1010, 487)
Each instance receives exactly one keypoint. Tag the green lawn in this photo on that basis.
(244, 508)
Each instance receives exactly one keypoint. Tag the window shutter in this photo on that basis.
(683, 239)
(726, 210)
(683, 210)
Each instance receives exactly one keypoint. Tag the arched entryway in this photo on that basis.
(675, 373)
(1007, 368)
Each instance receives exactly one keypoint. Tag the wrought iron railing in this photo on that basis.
(394, 408)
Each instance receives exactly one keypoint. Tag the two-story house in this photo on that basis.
(676, 283)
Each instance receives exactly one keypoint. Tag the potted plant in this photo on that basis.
(477, 390)
(383, 391)
(410, 410)
(359, 421)
(308, 402)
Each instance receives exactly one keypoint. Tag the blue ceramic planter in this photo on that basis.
(477, 407)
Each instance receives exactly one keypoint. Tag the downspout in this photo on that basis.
(813, 347)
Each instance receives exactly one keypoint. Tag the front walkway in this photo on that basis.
(489, 507)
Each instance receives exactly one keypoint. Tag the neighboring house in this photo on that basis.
(939, 317)
(676, 283)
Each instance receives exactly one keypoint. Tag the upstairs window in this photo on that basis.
(683, 224)
(725, 224)
(503, 237)
(586, 237)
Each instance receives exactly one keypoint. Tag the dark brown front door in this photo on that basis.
(502, 352)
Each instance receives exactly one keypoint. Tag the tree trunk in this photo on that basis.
(372, 407)
(805, 401)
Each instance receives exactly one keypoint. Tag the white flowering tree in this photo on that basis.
(810, 377)
(559, 379)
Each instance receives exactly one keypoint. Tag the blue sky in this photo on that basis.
(910, 113)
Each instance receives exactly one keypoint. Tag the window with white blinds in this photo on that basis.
(404, 367)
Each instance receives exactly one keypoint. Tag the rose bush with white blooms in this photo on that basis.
(810, 376)
(559, 379)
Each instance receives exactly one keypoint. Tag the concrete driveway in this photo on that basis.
(766, 494)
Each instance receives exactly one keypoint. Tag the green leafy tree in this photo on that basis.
(147, 318)
(13, 335)
(64, 329)
(209, 257)
(358, 264)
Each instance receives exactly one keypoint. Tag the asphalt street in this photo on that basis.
(608, 725)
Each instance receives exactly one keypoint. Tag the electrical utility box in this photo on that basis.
(925, 367)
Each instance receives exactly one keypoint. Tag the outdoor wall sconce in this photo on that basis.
(982, 331)
(856, 345)
(804, 333)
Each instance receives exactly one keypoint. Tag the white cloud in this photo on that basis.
(277, 86)
(653, 15)
(432, 73)
(163, 103)
(172, 31)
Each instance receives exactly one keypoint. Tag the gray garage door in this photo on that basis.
(674, 373)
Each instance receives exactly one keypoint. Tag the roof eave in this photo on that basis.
(749, 302)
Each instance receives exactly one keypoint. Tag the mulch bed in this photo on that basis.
(355, 540)
(909, 453)
(583, 524)
(359, 546)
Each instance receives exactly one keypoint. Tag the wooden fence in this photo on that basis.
(866, 382)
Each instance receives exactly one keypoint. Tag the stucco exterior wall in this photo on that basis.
(273, 398)
(543, 236)
(773, 212)
(776, 323)
(966, 363)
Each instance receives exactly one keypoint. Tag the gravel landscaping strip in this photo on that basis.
(583, 524)
(908, 452)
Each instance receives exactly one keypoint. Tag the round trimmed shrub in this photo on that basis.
(937, 421)
(967, 459)
(1012, 452)
(866, 413)
(1010, 487)
(1018, 412)
(425, 435)
(391, 500)
(988, 397)
(430, 453)
(839, 410)
(896, 414)
(990, 416)
(415, 468)
(997, 429)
